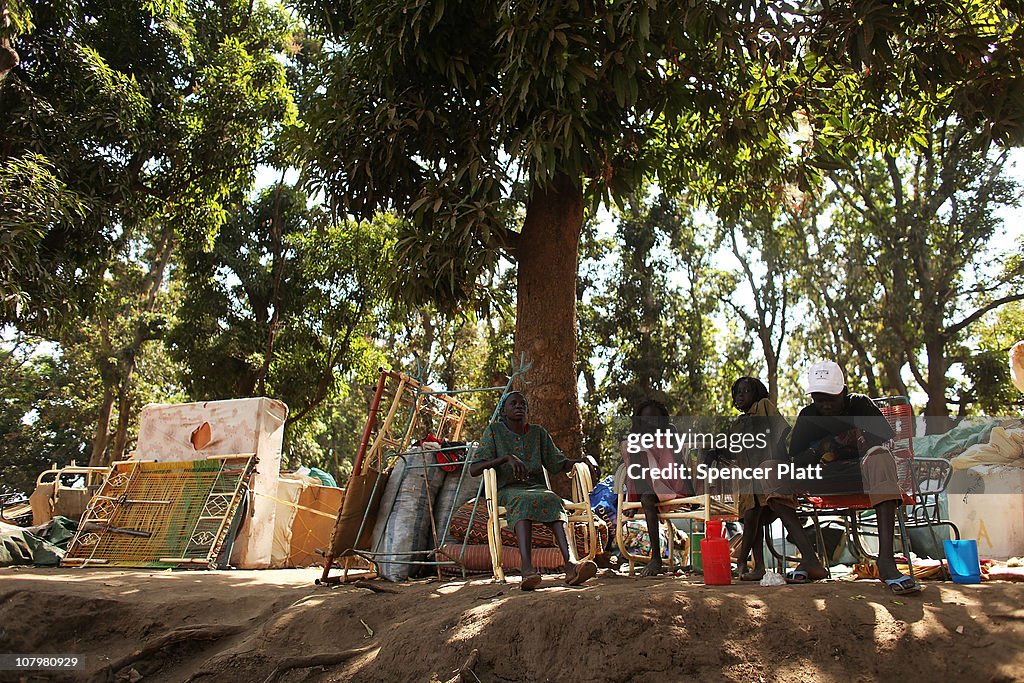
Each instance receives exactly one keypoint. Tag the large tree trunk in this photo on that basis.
(548, 256)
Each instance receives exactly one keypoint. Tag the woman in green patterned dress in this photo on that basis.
(520, 452)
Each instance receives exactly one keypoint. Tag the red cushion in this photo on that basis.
(856, 501)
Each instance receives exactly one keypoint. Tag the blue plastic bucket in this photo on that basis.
(962, 558)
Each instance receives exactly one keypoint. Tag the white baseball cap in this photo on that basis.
(825, 377)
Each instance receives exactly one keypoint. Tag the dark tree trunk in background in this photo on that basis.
(101, 437)
(937, 410)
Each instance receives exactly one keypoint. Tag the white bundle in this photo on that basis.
(1017, 365)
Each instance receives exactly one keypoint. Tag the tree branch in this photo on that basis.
(507, 240)
(915, 370)
(992, 305)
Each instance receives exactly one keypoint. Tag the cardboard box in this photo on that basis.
(986, 502)
(305, 517)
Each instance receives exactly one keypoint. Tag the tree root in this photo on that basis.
(373, 587)
(197, 632)
(309, 661)
(466, 668)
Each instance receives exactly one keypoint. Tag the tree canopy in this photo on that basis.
(644, 198)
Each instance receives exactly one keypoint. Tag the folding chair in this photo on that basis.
(930, 478)
(580, 517)
(855, 510)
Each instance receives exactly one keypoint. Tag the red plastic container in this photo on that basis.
(714, 528)
(717, 562)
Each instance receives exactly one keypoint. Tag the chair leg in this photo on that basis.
(823, 557)
(494, 545)
(499, 572)
(905, 539)
(669, 543)
(620, 540)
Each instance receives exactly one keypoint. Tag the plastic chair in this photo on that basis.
(580, 517)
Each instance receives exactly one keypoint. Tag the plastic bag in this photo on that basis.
(772, 578)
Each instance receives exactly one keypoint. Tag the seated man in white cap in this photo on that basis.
(845, 433)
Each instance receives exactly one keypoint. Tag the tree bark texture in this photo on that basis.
(936, 410)
(548, 258)
(101, 437)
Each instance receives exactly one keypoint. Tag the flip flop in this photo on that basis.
(530, 582)
(584, 572)
(798, 576)
(904, 585)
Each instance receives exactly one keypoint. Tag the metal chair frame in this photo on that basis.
(920, 502)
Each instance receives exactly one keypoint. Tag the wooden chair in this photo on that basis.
(580, 517)
(706, 504)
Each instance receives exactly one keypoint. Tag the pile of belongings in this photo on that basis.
(41, 545)
(1005, 447)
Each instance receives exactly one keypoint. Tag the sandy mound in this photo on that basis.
(243, 626)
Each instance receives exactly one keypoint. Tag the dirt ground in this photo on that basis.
(250, 626)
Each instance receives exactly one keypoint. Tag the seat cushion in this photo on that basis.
(475, 533)
(477, 559)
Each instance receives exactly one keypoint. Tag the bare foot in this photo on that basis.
(652, 568)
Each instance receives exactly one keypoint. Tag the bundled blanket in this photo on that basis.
(938, 445)
(1004, 447)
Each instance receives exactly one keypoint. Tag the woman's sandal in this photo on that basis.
(798, 576)
(584, 572)
(903, 585)
(530, 582)
(802, 576)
